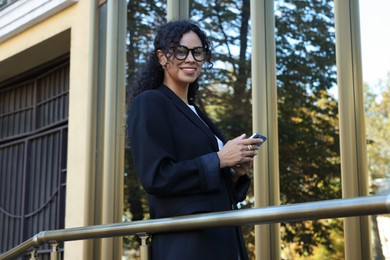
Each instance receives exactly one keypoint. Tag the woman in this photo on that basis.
(180, 156)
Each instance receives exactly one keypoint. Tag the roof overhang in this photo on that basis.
(24, 14)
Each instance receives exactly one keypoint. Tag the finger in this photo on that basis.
(253, 141)
(246, 166)
(241, 170)
(252, 154)
(250, 148)
(241, 137)
(246, 160)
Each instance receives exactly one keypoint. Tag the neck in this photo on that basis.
(180, 91)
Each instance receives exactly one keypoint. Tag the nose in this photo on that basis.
(190, 56)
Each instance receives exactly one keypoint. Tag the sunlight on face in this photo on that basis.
(180, 73)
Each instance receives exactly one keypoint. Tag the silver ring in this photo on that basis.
(249, 147)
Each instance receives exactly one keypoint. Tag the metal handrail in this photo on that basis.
(349, 207)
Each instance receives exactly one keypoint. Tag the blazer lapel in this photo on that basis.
(186, 110)
(212, 126)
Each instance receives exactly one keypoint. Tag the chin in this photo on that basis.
(190, 79)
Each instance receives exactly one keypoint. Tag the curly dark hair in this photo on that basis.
(151, 76)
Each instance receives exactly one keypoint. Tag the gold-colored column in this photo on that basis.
(114, 111)
(81, 158)
(265, 121)
(178, 10)
(352, 126)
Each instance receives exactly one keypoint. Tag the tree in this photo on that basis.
(378, 149)
(378, 128)
(226, 90)
(143, 17)
(308, 115)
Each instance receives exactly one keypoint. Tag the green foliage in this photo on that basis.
(331, 249)
(226, 86)
(143, 17)
(308, 116)
(377, 105)
(378, 128)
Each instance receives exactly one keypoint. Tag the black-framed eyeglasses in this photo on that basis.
(181, 53)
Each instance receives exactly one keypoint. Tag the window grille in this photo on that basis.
(33, 150)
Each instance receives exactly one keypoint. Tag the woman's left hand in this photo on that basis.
(240, 170)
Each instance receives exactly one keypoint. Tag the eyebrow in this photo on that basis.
(181, 45)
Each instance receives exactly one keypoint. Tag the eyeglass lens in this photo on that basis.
(181, 53)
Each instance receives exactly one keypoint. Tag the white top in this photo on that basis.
(220, 143)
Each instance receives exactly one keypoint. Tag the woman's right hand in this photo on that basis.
(238, 151)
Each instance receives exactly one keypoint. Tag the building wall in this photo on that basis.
(68, 30)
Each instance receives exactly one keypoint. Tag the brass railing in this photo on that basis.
(359, 206)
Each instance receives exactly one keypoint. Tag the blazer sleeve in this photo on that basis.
(240, 189)
(152, 145)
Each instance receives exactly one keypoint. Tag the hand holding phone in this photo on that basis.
(257, 135)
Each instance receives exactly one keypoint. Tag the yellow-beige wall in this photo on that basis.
(70, 31)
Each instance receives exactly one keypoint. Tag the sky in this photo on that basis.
(375, 39)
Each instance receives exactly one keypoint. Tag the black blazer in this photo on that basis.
(175, 156)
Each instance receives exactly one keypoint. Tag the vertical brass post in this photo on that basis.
(353, 153)
(145, 246)
(55, 254)
(265, 121)
(34, 254)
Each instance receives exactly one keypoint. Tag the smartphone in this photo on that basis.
(257, 135)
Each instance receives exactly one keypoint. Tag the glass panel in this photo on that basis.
(225, 90)
(376, 76)
(143, 18)
(308, 123)
(4, 3)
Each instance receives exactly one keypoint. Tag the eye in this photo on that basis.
(198, 51)
(181, 50)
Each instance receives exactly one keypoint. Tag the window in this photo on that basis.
(33, 149)
(4, 3)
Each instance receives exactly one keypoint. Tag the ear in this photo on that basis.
(162, 58)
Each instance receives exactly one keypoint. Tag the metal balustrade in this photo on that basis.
(349, 207)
